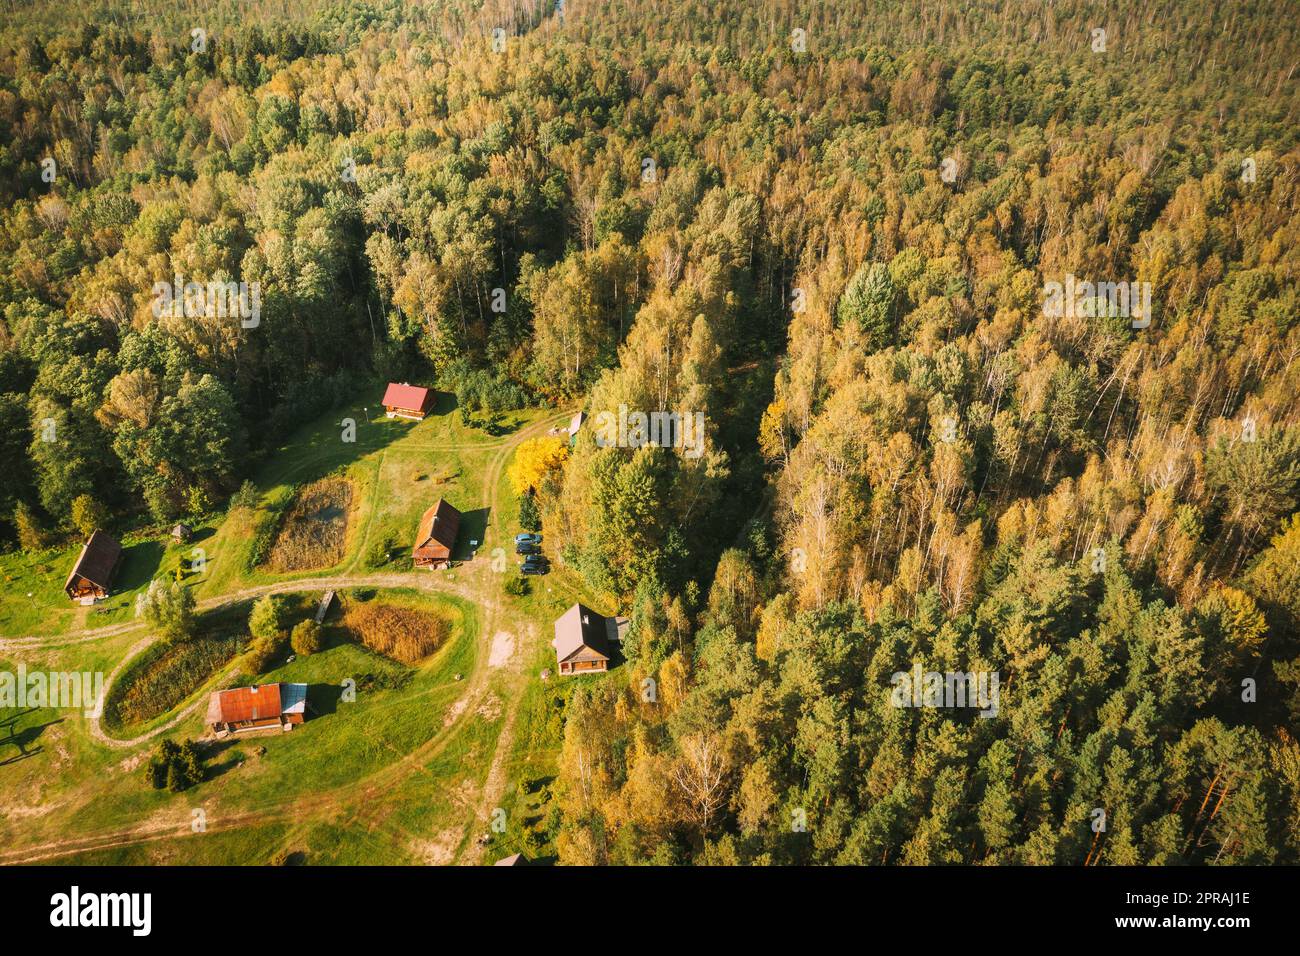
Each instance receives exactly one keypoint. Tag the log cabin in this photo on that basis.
(437, 536)
(584, 640)
(91, 578)
(407, 401)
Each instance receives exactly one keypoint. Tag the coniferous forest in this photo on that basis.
(833, 230)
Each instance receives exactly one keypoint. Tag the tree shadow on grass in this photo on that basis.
(322, 699)
(140, 563)
(24, 740)
(199, 535)
(444, 403)
(473, 526)
(215, 748)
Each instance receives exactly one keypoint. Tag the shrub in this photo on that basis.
(262, 654)
(169, 608)
(518, 585)
(31, 536)
(380, 551)
(245, 497)
(174, 766)
(305, 638)
(266, 621)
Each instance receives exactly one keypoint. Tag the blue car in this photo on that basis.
(528, 539)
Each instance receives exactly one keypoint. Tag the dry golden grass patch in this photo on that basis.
(315, 529)
(405, 634)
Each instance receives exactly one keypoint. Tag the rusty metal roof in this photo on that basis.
(244, 703)
(439, 526)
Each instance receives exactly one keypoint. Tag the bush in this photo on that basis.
(266, 621)
(518, 585)
(380, 552)
(262, 654)
(174, 766)
(245, 497)
(169, 608)
(305, 638)
(31, 536)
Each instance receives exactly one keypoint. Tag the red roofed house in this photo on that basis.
(437, 536)
(257, 708)
(584, 640)
(92, 576)
(407, 401)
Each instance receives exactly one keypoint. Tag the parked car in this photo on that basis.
(536, 561)
(540, 567)
(528, 539)
(528, 549)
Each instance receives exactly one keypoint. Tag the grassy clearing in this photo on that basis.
(32, 601)
(71, 785)
(412, 733)
(396, 469)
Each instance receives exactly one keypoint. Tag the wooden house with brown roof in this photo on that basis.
(437, 536)
(265, 707)
(91, 578)
(407, 401)
(584, 640)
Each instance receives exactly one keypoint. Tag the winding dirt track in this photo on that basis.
(474, 581)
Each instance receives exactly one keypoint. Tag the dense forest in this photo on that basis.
(827, 227)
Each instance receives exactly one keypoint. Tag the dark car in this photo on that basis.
(529, 549)
(536, 567)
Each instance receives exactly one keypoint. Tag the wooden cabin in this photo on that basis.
(265, 707)
(584, 640)
(91, 578)
(407, 401)
(437, 536)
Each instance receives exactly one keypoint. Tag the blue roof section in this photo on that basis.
(293, 698)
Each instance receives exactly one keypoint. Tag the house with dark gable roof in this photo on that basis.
(91, 578)
(584, 640)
